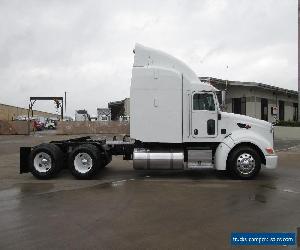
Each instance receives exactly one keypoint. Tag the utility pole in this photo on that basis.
(65, 102)
(228, 76)
(298, 61)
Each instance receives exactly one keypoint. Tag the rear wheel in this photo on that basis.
(46, 160)
(85, 161)
(244, 163)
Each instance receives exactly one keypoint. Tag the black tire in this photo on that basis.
(56, 156)
(92, 167)
(240, 155)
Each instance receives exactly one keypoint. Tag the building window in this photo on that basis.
(239, 105)
(281, 110)
(295, 112)
(203, 102)
(264, 109)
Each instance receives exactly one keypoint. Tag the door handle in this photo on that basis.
(195, 131)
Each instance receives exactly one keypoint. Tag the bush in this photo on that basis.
(287, 124)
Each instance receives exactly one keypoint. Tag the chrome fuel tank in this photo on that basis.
(144, 159)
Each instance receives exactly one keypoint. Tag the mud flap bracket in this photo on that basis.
(24, 159)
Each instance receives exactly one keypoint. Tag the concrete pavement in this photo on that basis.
(124, 209)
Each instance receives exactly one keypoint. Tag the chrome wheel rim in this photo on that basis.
(42, 162)
(83, 163)
(245, 164)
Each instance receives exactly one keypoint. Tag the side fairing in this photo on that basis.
(156, 105)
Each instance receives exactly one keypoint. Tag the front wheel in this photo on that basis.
(244, 163)
(85, 161)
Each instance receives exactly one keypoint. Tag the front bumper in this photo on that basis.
(271, 161)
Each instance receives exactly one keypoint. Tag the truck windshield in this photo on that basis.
(203, 101)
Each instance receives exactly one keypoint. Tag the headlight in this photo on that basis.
(270, 150)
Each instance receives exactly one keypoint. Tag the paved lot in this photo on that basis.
(123, 209)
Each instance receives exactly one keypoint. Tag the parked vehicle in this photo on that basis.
(50, 125)
(38, 125)
(175, 124)
(21, 118)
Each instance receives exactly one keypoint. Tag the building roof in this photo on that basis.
(219, 82)
(117, 103)
(103, 111)
(81, 111)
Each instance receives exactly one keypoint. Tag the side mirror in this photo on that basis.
(223, 97)
(222, 106)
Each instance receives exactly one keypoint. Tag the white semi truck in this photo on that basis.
(175, 124)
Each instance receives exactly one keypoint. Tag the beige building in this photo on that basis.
(9, 113)
(258, 100)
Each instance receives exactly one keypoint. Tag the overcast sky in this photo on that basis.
(85, 47)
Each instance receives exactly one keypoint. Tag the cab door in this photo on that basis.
(204, 115)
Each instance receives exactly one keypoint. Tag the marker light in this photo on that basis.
(270, 150)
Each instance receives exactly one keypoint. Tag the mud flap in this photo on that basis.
(24, 159)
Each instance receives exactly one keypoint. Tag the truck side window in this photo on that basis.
(203, 101)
